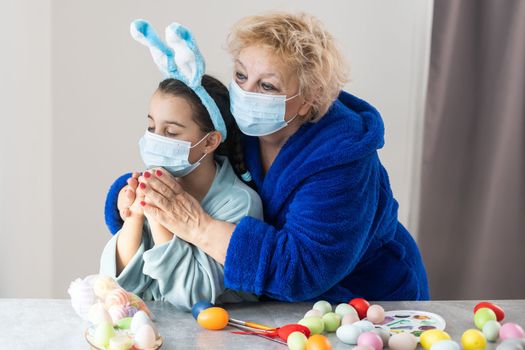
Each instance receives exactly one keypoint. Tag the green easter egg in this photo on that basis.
(482, 316)
(315, 324)
(491, 330)
(323, 306)
(297, 341)
(124, 323)
(332, 321)
(103, 333)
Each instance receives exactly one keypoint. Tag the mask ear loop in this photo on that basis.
(205, 154)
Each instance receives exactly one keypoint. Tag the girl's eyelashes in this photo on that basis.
(151, 129)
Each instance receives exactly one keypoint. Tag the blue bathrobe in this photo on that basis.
(330, 228)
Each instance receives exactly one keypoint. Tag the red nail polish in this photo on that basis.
(147, 174)
(142, 185)
(158, 173)
(142, 203)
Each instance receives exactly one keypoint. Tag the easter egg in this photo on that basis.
(145, 337)
(297, 341)
(343, 309)
(402, 341)
(316, 313)
(102, 285)
(332, 321)
(500, 314)
(445, 345)
(370, 339)
(491, 330)
(138, 320)
(375, 314)
(285, 331)
(103, 333)
(348, 334)
(360, 305)
(120, 342)
(117, 312)
(511, 330)
(124, 323)
(98, 314)
(482, 316)
(350, 318)
(213, 318)
(512, 344)
(199, 306)
(318, 342)
(322, 306)
(473, 339)
(383, 334)
(314, 324)
(366, 326)
(432, 336)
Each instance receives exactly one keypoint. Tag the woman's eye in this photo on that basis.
(151, 128)
(240, 76)
(170, 134)
(267, 87)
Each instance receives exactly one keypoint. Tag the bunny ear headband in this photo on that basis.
(179, 59)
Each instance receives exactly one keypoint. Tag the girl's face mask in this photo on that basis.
(258, 114)
(168, 153)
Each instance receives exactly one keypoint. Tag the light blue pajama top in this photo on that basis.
(177, 271)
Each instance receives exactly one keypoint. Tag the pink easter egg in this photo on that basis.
(511, 330)
(370, 339)
(350, 318)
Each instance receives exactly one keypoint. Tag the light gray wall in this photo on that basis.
(101, 81)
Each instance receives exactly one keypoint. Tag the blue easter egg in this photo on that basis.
(200, 306)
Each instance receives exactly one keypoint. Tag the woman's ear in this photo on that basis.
(305, 108)
(213, 141)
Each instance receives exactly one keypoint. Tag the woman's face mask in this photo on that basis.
(170, 154)
(258, 114)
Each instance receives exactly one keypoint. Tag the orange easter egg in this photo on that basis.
(318, 342)
(213, 318)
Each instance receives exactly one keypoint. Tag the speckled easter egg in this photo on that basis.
(214, 318)
(348, 334)
(332, 321)
(318, 342)
(314, 324)
(473, 339)
(297, 341)
(432, 336)
(323, 306)
(491, 330)
(402, 341)
(370, 339)
(375, 314)
(482, 316)
(445, 345)
(511, 330)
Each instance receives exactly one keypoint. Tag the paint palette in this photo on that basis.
(411, 321)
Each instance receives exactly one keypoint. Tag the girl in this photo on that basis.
(182, 142)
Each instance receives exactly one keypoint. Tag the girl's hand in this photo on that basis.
(168, 204)
(127, 195)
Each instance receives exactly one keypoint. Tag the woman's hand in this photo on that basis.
(168, 204)
(127, 196)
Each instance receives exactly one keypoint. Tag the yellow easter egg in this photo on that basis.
(213, 318)
(473, 339)
(432, 336)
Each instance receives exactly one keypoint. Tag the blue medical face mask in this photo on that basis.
(258, 114)
(168, 153)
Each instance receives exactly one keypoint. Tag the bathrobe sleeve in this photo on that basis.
(325, 233)
(131, 278)
(185, 274)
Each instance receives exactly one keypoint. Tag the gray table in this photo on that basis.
(52, 324)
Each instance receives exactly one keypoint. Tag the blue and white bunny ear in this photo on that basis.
(188, 58)
(162, 55)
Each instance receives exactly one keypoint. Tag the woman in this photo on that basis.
(330, 228)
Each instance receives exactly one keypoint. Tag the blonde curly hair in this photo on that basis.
(302, 43)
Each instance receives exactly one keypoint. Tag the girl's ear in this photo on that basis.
(213, 141)
(188, 58)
